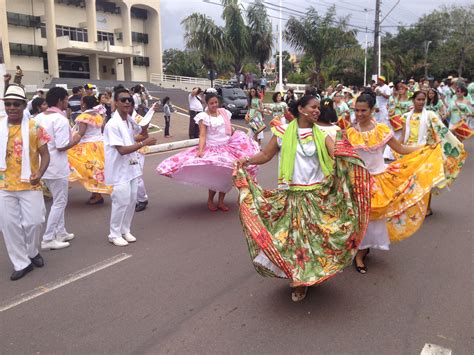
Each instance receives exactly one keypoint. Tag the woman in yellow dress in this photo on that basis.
(423, 126)
(400, 191)
(87, 157)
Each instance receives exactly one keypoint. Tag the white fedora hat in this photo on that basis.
(15, 92)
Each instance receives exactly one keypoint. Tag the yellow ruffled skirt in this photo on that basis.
(401, 193)
(87, 164)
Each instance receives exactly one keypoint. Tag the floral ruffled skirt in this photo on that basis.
(307, 236)
(87, 163)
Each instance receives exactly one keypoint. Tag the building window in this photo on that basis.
(105, 36)
(107, 6)
(74, 33)
(26, 50)
(140, 37)
(141, 61)
(78, 3)
(138, 13)
(16, 19)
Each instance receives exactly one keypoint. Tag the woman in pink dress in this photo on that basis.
(211, 163)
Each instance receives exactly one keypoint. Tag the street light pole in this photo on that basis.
(427, 46)
(280, 48)
(365, 56)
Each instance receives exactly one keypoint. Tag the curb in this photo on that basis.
(164, 147)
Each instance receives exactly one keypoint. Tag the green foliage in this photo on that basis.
(321, 37)
(451, 50)
(297, 78)
(286, 64)
(185, 63)
(234, 44)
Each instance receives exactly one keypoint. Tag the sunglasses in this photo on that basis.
(126, 99)
(12, 103)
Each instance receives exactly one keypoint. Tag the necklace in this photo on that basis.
(302, 148)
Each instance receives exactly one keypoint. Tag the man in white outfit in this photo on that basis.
(383, 93)
(122, 167)
(56, 124)
(24, 158)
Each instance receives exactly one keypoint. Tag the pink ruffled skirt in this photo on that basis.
(214, 170)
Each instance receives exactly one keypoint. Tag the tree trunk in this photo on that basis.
(318, 75)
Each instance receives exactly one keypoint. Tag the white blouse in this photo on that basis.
(215, 133)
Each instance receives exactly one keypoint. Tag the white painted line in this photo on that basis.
(433, 349)
(50, 286)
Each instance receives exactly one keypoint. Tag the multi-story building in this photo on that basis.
(96, 39)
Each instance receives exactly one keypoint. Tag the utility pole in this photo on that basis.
(365, 54)
(375, 62)
(427, 46)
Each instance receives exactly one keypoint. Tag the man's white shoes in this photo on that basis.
(54, 244)
(120, 242)
(65, 237)
(129, 237)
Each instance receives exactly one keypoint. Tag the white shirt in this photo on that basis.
(373, 159)
(137, 100)
(382, 101)
(194, 103)
(215, 133)
(119, 168)
(306, 171)
(58, 129)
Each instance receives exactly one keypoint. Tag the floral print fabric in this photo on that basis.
(10, 179)
(309, 235)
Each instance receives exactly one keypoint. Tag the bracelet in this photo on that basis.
(247, 159)
(140, 144)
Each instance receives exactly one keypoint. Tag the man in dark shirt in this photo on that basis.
(74, 108)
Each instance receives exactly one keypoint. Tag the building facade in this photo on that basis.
(90, 39)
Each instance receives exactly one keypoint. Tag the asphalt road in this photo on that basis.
(187, 286)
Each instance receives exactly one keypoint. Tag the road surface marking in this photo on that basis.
(50, 286)
(433, 349)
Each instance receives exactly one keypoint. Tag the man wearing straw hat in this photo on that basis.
(24, 158)
(383, 94)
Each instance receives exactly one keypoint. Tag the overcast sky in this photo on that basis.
(406, 12)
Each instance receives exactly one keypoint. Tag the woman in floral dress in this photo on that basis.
(461, 114)
(309, 228)
(423, 127)
(87, 158)
(400, 191)
(211, 163)
(254, 115)
(278, 109)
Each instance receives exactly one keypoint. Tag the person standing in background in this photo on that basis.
(74, 104)
(167, 113)
(18, 76)
(195, 107)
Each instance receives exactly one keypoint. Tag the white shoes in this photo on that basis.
(129, 237)
(65, 237)
(54, 244)
(120, 242)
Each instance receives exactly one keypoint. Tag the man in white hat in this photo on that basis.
(24, 158)
(383, 93)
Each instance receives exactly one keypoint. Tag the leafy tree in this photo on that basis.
(204, 36)
(286, 64)
(321, 37)
(260, 33)
(451, 50)
(185, 63)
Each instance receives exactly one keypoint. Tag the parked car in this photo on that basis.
(234, 100)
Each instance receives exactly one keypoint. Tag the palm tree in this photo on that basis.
(320, 37)
(260, 33)
(236, 35)
(204, 36)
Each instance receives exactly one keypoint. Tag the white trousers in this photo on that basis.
(21, 220)
(124, 198)
(56, 224)
(141, 194)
